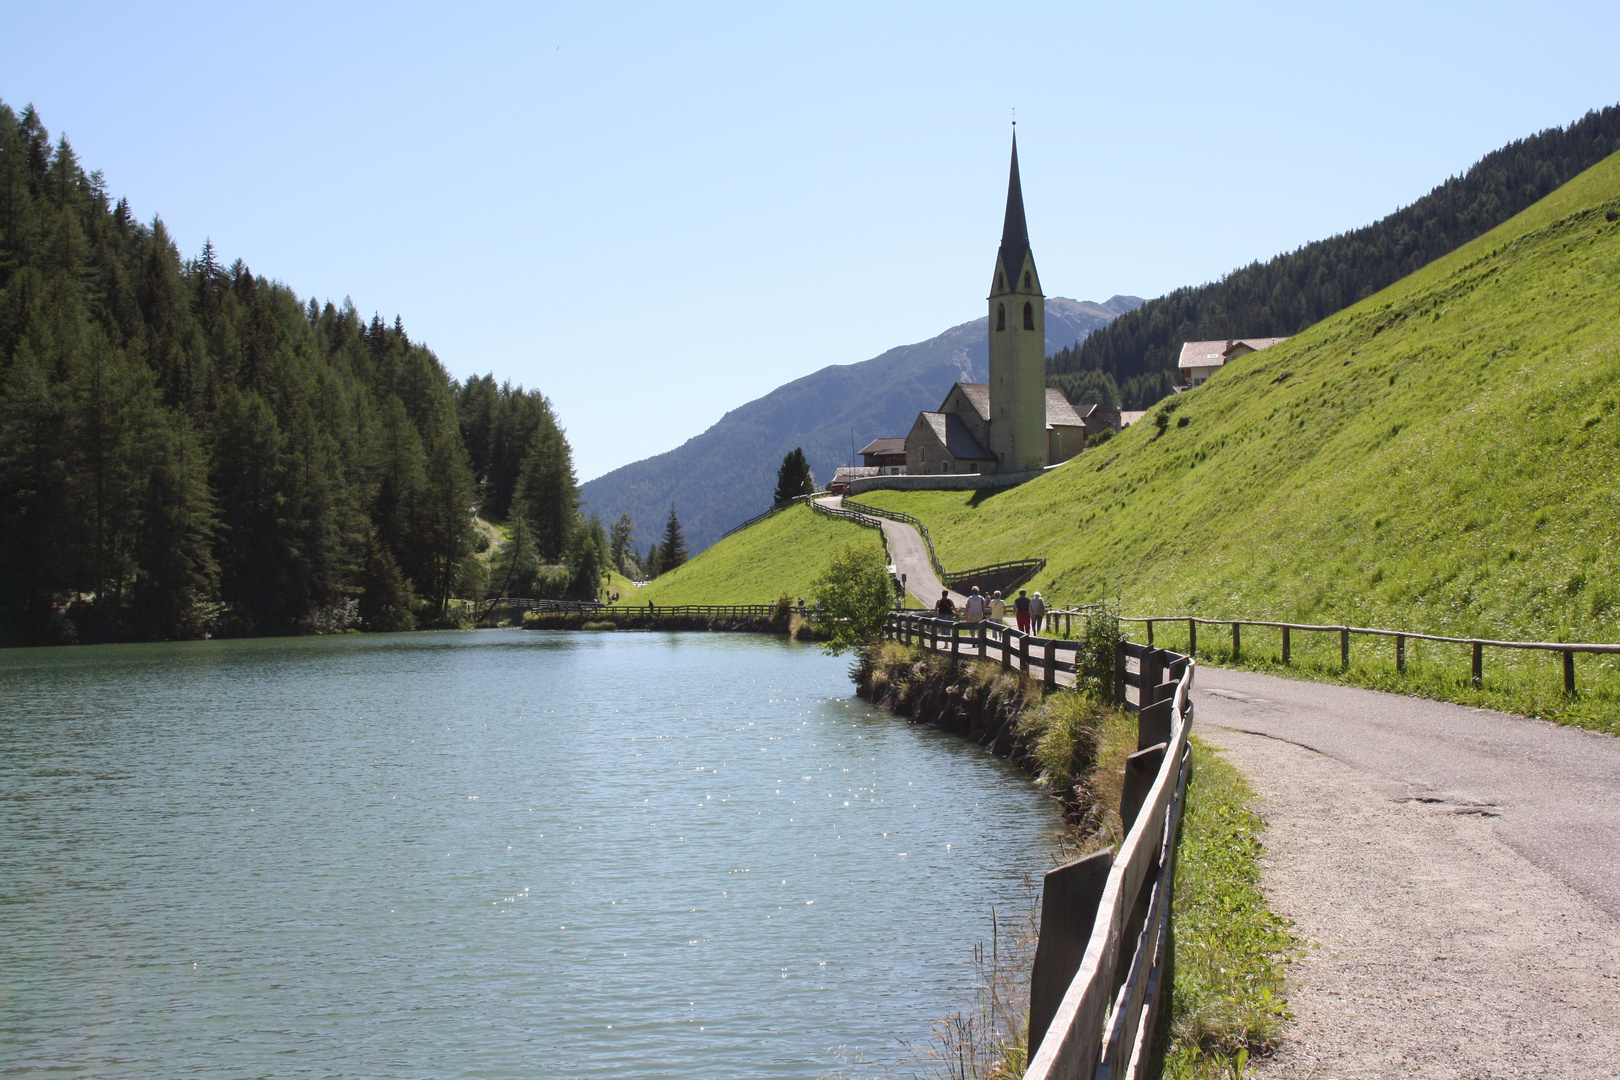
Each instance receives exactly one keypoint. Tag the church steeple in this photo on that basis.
(1017, 330)
(1014, 232)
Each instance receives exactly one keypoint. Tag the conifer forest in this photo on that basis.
(188, 449)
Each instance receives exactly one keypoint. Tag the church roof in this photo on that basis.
(977, 394)
(1014, 232)
(1059, 413)
(955, 436)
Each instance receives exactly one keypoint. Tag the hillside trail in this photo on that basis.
(909, 556)
(1454, 873)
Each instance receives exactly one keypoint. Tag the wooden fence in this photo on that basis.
(1401, 637)
(1102, 956)
(1005, 576)
(757, 518)
(1054, 659)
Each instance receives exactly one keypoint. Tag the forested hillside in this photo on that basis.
(187, 448)
(1135, 356)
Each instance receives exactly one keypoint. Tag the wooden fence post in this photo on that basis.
(1344, 646)
(983, 636)
(956, 641)
(1150, 632)
(1050, 674)
(1569, 672)
(1192, 637)
(1236, 646)
(1285, 645)
(1006, 653)
(1400, 652)
(1479, 664)
(1023, 654)
(1119, 672)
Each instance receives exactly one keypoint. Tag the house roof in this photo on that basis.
(1215, 353)
(949, 430)
(885, 446)
(1059, 413)
(977, 394)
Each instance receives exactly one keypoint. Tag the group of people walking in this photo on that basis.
(1030, 611)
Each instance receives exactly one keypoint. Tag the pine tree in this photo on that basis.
(672, 549)
(794, 478)
(622, 546)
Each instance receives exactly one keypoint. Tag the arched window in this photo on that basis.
(1026, 279)
(1001, 316)
(1029, 317)
(944, 466)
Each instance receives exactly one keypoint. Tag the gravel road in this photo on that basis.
(1455, 871)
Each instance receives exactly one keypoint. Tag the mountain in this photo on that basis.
(727, 474)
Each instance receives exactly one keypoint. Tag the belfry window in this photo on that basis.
(1029, 317)
(1001, 284)
(1001, 316)
(1026, 279)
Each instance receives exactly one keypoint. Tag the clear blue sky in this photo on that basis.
(655, 213)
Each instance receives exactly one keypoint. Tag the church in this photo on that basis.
(1014, 423)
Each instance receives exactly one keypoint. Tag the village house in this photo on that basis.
(1201, 359)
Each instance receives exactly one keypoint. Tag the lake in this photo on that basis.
(485, 854)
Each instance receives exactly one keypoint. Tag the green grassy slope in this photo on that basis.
(1442, 456)
(784, 554)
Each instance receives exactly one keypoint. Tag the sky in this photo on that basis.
(655, 213)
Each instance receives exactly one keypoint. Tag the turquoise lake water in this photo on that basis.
(484, 854)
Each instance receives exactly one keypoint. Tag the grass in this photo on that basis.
(1226, 999)
(1440, 457)
(782, 555)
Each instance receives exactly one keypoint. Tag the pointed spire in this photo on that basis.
(1014, 233)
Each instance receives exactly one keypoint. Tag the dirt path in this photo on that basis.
(1453, 871)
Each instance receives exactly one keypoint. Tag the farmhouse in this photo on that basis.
(1201, 359)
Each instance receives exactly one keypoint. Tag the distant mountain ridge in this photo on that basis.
(727, 474)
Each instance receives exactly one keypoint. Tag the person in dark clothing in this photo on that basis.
(946, 608)
(1021, 607)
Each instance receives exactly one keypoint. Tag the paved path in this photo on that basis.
(910, 557)
(1456, 871)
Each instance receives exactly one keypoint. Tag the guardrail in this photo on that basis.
(757, 518)
(1102, 956)
(859, 519)
(1025, 568)
(1479, 645)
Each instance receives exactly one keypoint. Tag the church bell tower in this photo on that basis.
(1017, 344)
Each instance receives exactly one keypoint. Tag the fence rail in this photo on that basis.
(1102, 956)
(1478, 645)
(1024, 568)
(757, 518)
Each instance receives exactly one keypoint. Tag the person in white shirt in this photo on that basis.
(997, 607)
(975, 606)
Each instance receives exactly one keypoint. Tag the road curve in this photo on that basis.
(1455, 870)
(909, 555)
